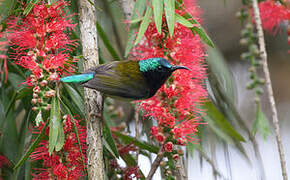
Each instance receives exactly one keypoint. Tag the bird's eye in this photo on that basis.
(159, 67)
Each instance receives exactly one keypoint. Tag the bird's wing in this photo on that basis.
(121, 79)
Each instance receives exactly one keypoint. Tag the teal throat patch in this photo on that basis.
(152, 64)
(78, 78)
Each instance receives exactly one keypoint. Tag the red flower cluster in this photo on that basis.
(39, 40)
(272, 14)
(64, 164)
(175, 106)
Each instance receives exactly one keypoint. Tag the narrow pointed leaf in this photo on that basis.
(221, 122)
(169, 8)
(31, 147)
(261, 123)
(76, 98)
(107, 43)
(109, 139)
(181, 20)
(30, 6)
(144, 25)
(136, 142)
(158, 11)
(54, 126)
(198, 29)
(139, 9)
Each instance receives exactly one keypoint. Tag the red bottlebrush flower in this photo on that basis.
(40, 41)
(272, 14)
(176, 104)
(168, 146)
(60, 171)
(65, 164)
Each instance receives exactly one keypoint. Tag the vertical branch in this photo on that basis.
(93, 99)
(156, 163)
(263, 55)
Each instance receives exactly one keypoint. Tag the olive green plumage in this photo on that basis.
(127, 79)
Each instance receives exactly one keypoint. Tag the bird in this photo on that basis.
(128, 79)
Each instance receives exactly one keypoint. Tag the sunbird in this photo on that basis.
(134, 80)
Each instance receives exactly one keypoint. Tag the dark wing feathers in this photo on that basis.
(122, 79)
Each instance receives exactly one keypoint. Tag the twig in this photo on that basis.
(93, 99)
(137, 134)
(263, 55)
(156, 163)
(210, 161)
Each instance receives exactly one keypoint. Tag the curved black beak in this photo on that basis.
(180, 67)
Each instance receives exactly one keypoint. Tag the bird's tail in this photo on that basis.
(78, 78)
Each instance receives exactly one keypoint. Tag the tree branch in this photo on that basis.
(156, 163)
(263, 55)
(93, 99)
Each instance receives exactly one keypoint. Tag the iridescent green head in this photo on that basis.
(156, 71)
(155, 64)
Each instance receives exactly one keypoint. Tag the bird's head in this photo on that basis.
(156, 71)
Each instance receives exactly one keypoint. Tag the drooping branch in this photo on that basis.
(263, 55)
(93, 99)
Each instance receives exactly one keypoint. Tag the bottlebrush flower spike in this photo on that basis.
(176, 104)
(39, 40)
(65, 164)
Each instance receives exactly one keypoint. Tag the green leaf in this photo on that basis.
(76, 98)
(144, 25)
(110, 140)
(184, 22)
(158, 11)
(56, 134)
(197, 28)
(31, 147)
(139, 9)
(136, 142)
(106, 42)
(218, 67)
(221, 122)
(30, 6)
(170, 15)
(15, 80)
(261, 123)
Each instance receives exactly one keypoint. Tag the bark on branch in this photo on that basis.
(263, 55)
(93, 99)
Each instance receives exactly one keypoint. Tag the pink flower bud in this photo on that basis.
(43, 83)
(168, 146)
(39, 100)
(50, 93)
(47, 107)
(35, 95)
(34, 101)
(175, 157)
(181, 142)
(160, 137)
(36, 89)
(52, 77)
